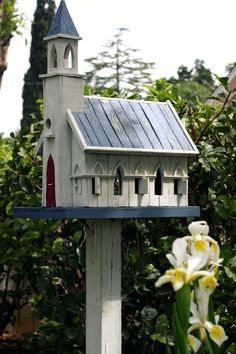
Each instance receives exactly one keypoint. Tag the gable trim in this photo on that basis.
(183, 127)
(77, 133)
(135, 151)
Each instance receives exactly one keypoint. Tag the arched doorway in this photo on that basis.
(50, 183)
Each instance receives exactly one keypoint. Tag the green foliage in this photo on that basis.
(46, 259)
(60, 301)
(119, 67)
(196, 84)
(10, 19)
(18, 184)
(33, 86)
(10, 23)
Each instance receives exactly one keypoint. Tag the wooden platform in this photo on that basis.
(105, 213)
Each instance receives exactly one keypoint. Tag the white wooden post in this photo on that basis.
(103, 287)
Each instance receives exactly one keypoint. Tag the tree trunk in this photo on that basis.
(4, 45)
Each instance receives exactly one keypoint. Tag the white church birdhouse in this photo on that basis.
(105, 160)
(103, 152)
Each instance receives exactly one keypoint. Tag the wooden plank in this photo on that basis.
(86, 129)
(181, 138)
(115, 123)
(144, 122)
(167, 134)
(127, 126)
(103, 287)
(96, 124)
(169, 129)
(136, 124)
(77, 117)
(105, 212)
(155, 119)
(102, 117)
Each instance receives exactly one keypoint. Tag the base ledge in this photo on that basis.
(105, 212)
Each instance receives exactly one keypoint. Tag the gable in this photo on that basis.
(130, 125)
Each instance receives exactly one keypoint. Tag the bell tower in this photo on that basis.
(62, 41)
(63, 89)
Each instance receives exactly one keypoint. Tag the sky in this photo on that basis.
(167, 32)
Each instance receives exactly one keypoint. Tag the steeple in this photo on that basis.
(62, 41)
(63, 23)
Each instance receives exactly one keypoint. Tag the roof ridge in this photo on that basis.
(126, 99)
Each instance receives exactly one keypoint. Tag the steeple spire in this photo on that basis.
(63, 23)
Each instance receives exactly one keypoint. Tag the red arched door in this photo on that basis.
(50, 183)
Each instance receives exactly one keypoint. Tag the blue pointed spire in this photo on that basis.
(62, 23)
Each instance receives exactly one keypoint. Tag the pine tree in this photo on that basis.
(33, 86)
(118, 66)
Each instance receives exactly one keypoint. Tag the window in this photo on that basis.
(180, 186)
(158, 183)
(141, 185)
(176, 186)
(48, 123)
(136, 186)
(118, 182)
(54, 57)
(96, 185)
(68, 57)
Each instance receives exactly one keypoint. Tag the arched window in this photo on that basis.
(54, 57)
(158, 183)
(68, 57)
(118, 182)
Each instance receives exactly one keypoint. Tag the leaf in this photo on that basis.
(9, 208)
(70, 333)
(148, 313)
(183, 306)
(232, 262)
(161, 338)
(31, 235)
(230, 274)
(180, 338)
(214, 98)
(224, 80)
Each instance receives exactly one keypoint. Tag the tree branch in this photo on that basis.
(211, 120)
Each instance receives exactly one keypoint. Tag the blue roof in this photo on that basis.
(130, 124)
(62, 23)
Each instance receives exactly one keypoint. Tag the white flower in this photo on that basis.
(179, 253)
(189, 271)
(198, 228)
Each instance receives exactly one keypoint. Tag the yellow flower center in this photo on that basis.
(209, 282)
(200, 245)
(176, 277)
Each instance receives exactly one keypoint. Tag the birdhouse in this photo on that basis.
(105, 160)
(106, 152)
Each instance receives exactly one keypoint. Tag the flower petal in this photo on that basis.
(216, 333)
(194, 342)
(198, 228)
(162, 280)
(208, 283)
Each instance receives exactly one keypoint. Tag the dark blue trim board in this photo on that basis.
(105, 213)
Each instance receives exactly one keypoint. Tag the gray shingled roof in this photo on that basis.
(130, 124)
(62, 23)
